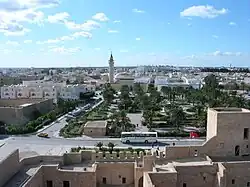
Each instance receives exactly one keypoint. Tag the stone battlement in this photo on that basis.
(121, 156)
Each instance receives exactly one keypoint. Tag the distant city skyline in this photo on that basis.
(59, 33)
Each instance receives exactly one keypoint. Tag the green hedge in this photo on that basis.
(41, 121)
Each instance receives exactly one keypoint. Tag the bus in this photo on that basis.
(139, 137)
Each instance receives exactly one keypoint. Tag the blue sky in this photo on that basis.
(66, 33)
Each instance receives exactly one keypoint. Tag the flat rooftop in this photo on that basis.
(230, 110)
(96, 124)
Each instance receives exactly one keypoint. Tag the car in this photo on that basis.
(43, 135)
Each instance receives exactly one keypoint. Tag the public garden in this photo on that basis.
(172, 112)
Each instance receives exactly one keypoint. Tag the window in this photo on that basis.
(123, 180)
(184, 185)
(65, 183)
(246, 133)
(233, 181)
(49, 184)
(104, 180)
(248, 184)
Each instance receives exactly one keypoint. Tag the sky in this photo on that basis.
(70, 33)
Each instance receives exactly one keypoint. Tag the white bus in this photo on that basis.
(139, 137)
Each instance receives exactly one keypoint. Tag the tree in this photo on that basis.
(148, 117)
(99, 145)
(108, 93)
(177, 116)
(111, 146)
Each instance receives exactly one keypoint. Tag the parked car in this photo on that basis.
(43, 135)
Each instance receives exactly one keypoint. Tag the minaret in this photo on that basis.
(111, 69)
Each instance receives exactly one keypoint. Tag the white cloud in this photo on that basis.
(97, 49)
(138, 11)
(27, 41)
(82, 34)
(123, 51)
(232, 23)
(220, 53)
(18, 5)
(100, 17)
(117, 21)
(63, 50)
(215, 36)
(66, 38)
(152, 54)
(203, 11)
(13, 43)
(5, 51)
(12, 29)
(87, 26)
(138, 39)
(58, 18)
(191, 57)
(112, 31)
(13, 13)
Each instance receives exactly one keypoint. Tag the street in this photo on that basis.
(54, 128)
(32, 144)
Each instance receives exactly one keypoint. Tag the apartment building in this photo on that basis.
(40, 89)
(222, 161)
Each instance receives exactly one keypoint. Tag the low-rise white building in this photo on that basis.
(177, 82)
(45, 89)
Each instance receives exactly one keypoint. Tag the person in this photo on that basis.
(173, 144)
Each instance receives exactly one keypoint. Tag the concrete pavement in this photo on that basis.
(33, 145)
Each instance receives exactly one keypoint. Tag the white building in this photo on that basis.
(45, 89)
(177, 82)
(142, 80)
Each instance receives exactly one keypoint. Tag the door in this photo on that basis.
(237, 150)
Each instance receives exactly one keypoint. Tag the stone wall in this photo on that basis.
(163, 179)
(9, 167)
(76, 178)
(237, 174)
(197, 175)
(21, 115)
(36, 180)
(116, 173)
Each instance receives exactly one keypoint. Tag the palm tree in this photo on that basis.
(111, 146)
(99, 145)
(177, 116)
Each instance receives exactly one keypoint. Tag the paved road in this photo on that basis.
(30, 145)
(33, 143)
(93, 141)
(54, 128)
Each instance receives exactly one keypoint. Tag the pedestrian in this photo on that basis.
(173, 144)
